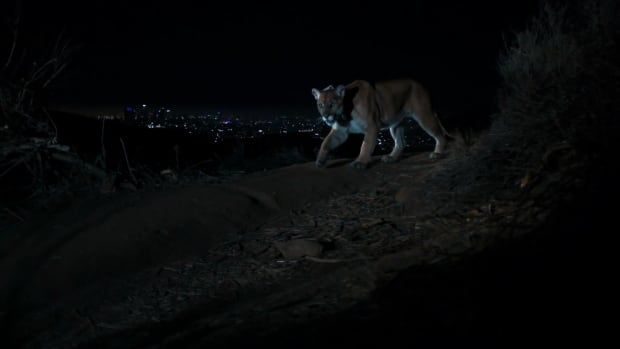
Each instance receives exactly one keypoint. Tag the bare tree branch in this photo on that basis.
(127, 161)
(49, 117)
(12, 51)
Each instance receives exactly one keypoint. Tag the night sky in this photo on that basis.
(257, 55)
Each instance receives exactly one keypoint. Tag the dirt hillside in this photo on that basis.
(91, 248)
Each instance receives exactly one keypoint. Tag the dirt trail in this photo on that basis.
(108, 249)
(93, 241)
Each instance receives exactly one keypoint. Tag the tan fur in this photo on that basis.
(374, 108)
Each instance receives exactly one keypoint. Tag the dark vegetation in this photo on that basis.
(544, 176)
(561, 82)
(32, 161)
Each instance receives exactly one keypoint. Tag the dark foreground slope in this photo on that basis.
(110, 237)
(299, 257)
(55, 267)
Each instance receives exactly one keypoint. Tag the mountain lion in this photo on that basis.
(363, 108)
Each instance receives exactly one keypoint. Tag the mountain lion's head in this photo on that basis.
(329, 102)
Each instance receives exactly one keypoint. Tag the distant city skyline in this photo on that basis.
(220, 126)
(250, 112)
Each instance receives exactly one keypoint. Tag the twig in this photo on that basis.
(14, 214)
(49, 117)
(127, 161)
(39, 72)
(15, 164)
(196, 165)
(328, 260)
(71, 159)
(176, 155)
(103, 153)
(60, 54)
(55, 74)
(12, 52)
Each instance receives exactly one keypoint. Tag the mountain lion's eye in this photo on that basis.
(321, 105)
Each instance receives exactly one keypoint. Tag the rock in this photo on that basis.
(404, 194)
(295, 249)
(169, 175)
(108, 186)
(255, 248)
(128, 186)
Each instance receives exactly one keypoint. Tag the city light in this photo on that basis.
(219, 127)
(216, 125)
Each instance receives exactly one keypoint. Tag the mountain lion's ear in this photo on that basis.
(316, 93)
(340, 90)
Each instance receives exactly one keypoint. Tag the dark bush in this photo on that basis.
(558, 105)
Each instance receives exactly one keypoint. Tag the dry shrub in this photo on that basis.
(557, 122)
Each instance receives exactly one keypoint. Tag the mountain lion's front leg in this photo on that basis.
(334, 138)
(368, 146)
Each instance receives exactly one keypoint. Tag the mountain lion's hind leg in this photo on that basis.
(398, 134)
(430, 123)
